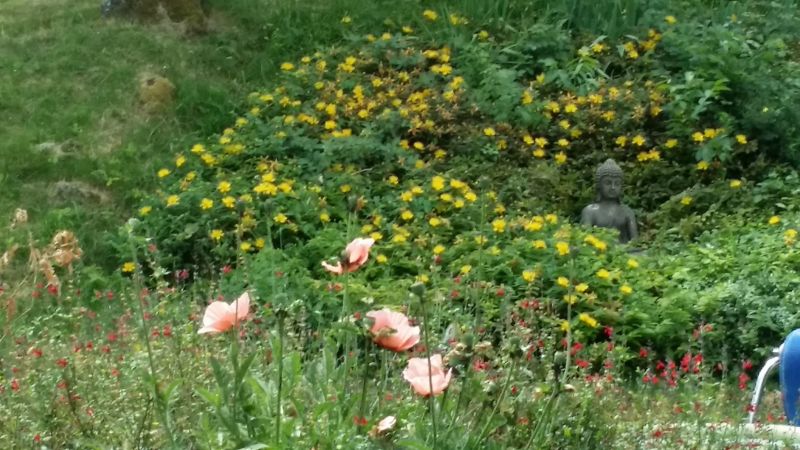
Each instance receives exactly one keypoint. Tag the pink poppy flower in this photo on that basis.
(391, 330)
(220, 316)
(420, 379)
(354, 256)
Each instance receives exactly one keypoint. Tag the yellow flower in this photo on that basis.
(789, 236)
(480, 240)
(621, 141)
(347, 19)
(224, 187)
(562, 248)
(495, 250)
(742, 139)
(560, 157)
(563, 282)
(430, 15)
(324, 217)
(423, 278)
(145, 210)
(483, 35)
(470, 196)
(686, 200)
(216, 235)
(735, 184)
(376, 236)
(287, 67)
(671, 20)
(774, 220)
(173, 200)
(671, 143)
(407, 30)
(280, 218)
(465, 269)
(393, 180)
(489, 131)
(529, 276)
(206, 203)
(406, 215)
(435, 221)
(180, 161)
(345, 188)
(625, 289)
(603, 274)
(587, 319)
(710, 133)
(246, 246)
(198, 149)
(570, 299)
(437, 183)
(638, 140)
(499, 225)
(381, 259)
(407, 196)
(702, 165)
(229, 202)
(540, 244)
(581, 287)
(446, 197)
(129, 267)
(633, 264)
(163, 173)
(698, 136)
(438, 250)
(563, 143)
(564, 326)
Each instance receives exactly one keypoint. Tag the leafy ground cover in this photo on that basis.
(456, 143)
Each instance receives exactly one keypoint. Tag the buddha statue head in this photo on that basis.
(608, 179)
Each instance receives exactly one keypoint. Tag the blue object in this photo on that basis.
(790, 376)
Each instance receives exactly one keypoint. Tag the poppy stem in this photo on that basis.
(498, 402)
(431, 403)
(365, 365)
(280, 380)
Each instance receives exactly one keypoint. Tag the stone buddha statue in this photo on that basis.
(608, 211)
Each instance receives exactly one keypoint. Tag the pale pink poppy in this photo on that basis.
(386, 424)
(355, 255)
(421, 380)
(391, 330)
(220, 316)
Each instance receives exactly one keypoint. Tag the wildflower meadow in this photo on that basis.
(352, 225)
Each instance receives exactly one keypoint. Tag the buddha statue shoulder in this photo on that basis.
(608, 211)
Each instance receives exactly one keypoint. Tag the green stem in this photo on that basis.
(544, 416)
(280, 380)
(431, 404)
(362, 406)
(497, 403)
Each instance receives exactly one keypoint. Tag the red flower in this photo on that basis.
(643, 353)
(61, 362)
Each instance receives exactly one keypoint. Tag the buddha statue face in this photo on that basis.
(609, 181)
(609, 188)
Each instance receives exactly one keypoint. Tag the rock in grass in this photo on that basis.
(155, 93)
